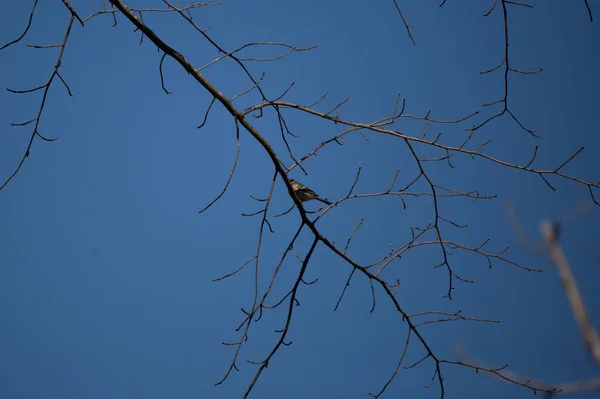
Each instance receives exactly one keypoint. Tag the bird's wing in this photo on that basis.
(308, 191)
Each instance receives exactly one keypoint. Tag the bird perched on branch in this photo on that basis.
(306, 194)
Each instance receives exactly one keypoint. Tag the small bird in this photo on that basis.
(305, 194)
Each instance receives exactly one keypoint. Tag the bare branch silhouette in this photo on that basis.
(18, 39)
(434, 235)
(46, 88)
(507, 69)
(406, 25)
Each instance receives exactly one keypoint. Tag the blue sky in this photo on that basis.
(106, 268)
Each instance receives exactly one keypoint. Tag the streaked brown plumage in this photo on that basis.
(306, 194)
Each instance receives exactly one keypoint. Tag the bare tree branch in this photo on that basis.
(549, 231)
(424, 236)
(18, 39)
(46, 88)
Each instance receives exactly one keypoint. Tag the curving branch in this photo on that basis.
(233, 168)
(18, 39)
(589, 10)
(46, 88)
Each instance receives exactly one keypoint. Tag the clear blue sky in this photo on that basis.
(106, 268)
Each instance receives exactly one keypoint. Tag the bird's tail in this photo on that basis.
(323, 201)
